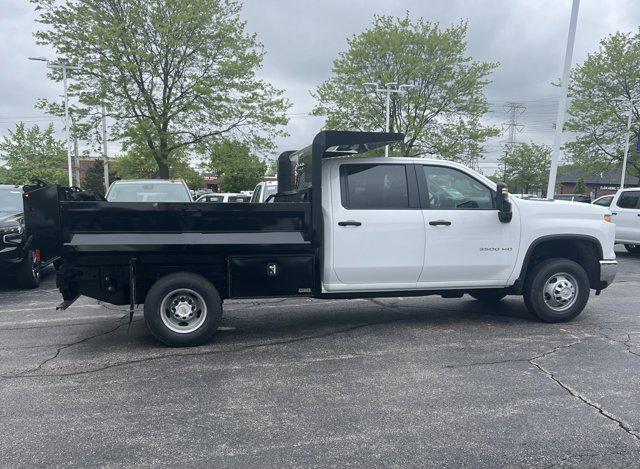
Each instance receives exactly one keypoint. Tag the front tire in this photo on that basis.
(632, 248)
(28, 272)
(183, 310)
(556, 290)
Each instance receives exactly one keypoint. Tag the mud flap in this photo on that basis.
(132, 289)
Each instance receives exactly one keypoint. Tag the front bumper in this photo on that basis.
(9, 254)
(608, 271)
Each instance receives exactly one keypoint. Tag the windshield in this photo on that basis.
(269, 190)
(604, 201)
(148, 192)
(11, 200)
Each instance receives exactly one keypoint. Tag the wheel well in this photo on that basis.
(585, 252)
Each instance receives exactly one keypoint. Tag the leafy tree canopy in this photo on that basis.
(32, 153)
(138, 163)
(526, 167)
(240, 169)
(601, 89)
(182, 72)
(440, 114)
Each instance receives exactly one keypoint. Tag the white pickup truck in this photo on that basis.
(340, 227)
(625, 208)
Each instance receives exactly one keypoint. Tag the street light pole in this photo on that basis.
(626, 146)
(562, 105)
(389, 88)
(105, 158)
(64, 66)
(66, 121)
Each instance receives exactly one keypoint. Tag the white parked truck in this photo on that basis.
(625, 208)
(340, 227)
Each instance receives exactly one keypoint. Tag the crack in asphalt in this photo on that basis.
(627, 343)
(32, 372)
(60, 348)
(573, 392)
(577, 394)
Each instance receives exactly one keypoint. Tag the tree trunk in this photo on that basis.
(163, 169)
(163, 159)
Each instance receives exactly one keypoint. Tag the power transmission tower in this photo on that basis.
(513, 110)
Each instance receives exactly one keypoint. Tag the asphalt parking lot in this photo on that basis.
(390, 382)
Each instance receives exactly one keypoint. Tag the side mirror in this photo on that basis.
(502, 203)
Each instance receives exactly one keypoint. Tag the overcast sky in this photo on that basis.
(302, 37)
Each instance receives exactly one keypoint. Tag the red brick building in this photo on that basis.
(607, 182)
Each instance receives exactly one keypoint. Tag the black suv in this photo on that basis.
(15, 258)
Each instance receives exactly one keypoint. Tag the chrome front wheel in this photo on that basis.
(556, 290)
(560, 291)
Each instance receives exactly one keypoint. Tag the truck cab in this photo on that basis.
(415, 223)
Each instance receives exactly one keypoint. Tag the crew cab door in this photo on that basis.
(377, 232)
(627, 216)
(466, 244)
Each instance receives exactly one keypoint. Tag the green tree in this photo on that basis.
(94, 178)
(580, 187)
(601, 90)
(526, 167)
(240, 169)
(181, 72)
(138, 163)
(32, 153)
(441, 113)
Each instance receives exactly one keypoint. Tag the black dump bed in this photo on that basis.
(66, 227)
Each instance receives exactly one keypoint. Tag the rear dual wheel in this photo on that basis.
(183, 310)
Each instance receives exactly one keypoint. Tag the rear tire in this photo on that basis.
(28, 272)
(183, 310)
(556, 290)
(632, 248)
(488, 296)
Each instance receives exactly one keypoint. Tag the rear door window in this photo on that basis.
(374, 186)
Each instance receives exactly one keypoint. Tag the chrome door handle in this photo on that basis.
(440, 222)
(349, 223)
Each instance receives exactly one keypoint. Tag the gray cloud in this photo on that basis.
(301, 39)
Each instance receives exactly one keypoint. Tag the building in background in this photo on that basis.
(84, 164)
(607, 182)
